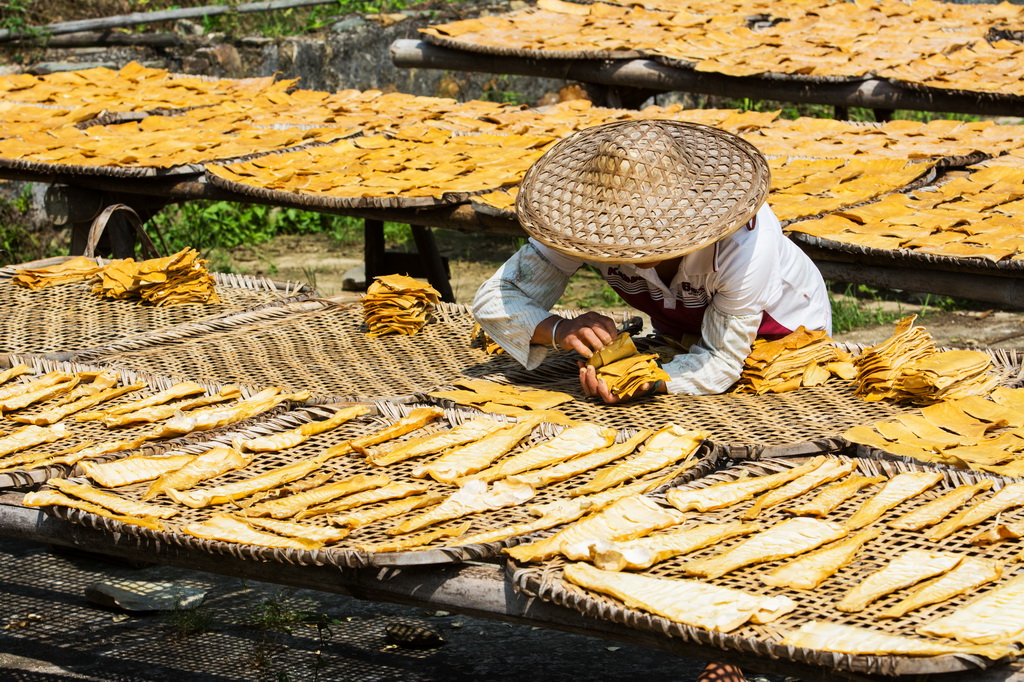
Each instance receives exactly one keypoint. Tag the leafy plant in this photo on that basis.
(188, 622)
(19, 243)
(859, 306)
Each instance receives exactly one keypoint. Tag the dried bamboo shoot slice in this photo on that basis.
(970, 573)
(158, 412)
(222, 494)
(728, 493)
(854, 640)
(642, 553)
(31, 436)
(1009, 497)
(667, 446)
(573, 441)
(417, 541)
(812, 569)
(416, 419)
(473, 457)
(181, 390)
(830, 470)
(691, 602)
(55, 414)
(539, 478)
(291, 505)
(115, 503)
(13, 372)
(909, 568)
(209, 464)
(388, 510)
(895, 492)
(462, 434)
(323, 535)
(133, 469)
(833, 496)
(993, 618)
(788, 538)
(226, 528)
(472, 498)
(47, 380)
(214, 417)
(626, 519)
(297, 436)
(51, 498)
(933, 512)
(387, 492)
(23, 400)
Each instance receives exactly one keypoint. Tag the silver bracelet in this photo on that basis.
(559, 321)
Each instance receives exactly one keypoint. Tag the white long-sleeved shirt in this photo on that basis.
(754, 279)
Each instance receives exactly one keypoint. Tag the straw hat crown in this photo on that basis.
(644, 190)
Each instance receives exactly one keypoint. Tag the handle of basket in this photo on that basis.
(99, 224)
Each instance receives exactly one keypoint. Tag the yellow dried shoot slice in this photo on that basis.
(642, 553)
(539, 478)
(396, 507)
(45, 381)
(51, 498)
(935, 511)
(895, 492)
(810, 570)
(993, 618)
(202, 467)
(13, 372)
(115, 503)
(472, 498)
(833, 496)
(909, 568)
(669, 445)
(829, 471)
(728, 493)
(291, 505)
(297, 436)
(416, 419)
(475, 456)
(214, 417)
(222, 494)
(462, 434)
(133, 469)
(31, 436)
(324, 535)
(417, 541)
(854, 640)
(155, 413)
(371, 496)
(55, 414)
(226, 528)
(971, 573)
(1009, 497)
(573, 441)
(23, 400)
(174, 392)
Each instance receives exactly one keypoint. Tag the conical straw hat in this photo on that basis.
(646, 190)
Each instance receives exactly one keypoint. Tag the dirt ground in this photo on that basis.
(473, 258)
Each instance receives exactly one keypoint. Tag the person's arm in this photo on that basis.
(715, 362)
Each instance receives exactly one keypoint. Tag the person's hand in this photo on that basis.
(592, 386)
(585, 334)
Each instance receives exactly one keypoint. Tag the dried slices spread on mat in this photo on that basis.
(845, 549)
(78, 415)
(380, 481)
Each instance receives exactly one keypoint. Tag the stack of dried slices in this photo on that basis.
(398, 304)
(624, 369)
(802, 358)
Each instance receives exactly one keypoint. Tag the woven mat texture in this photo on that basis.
(69, 317)
(547, 580)
(345, 552)
(319, 347)
(90, 431)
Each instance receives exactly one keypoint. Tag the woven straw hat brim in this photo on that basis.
(647, 190)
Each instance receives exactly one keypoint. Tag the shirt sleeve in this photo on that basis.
(716, 361)
(519, 296)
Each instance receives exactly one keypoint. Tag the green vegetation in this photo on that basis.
(189, 622)
(213, 227)
(859, 306)
(18, 244)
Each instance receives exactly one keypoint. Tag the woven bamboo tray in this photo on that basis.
(735, 418)
(92, 430)
(547, 581)
(345, 553)
(315, 345)
(69, 317)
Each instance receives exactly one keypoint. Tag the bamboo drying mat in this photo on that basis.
(547, 581)
(91, 430)
(735, 418)
(315, 345)
(345, 553)
(69, 317)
